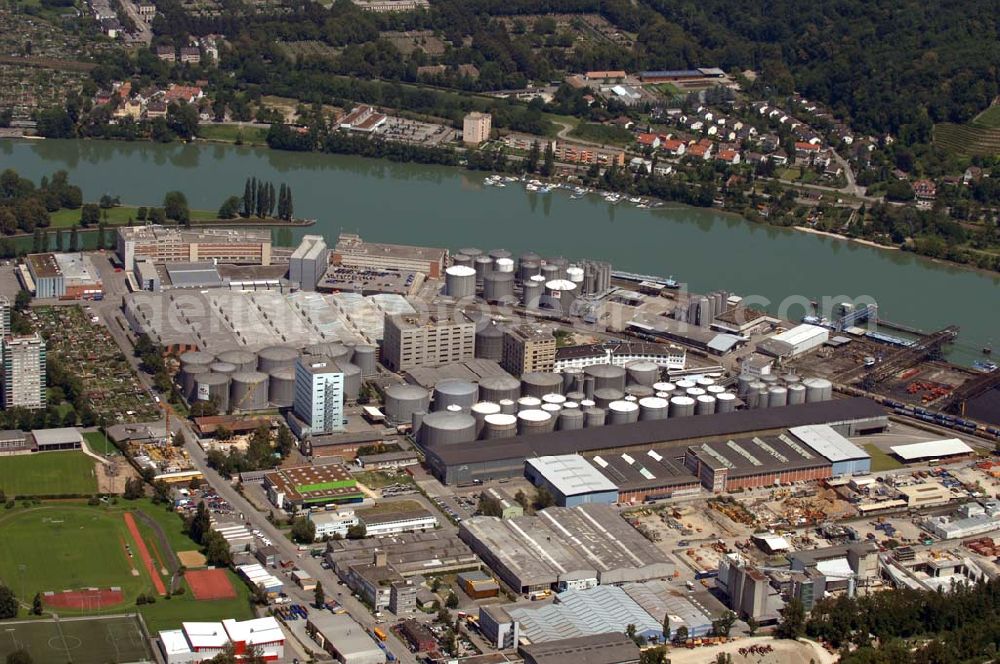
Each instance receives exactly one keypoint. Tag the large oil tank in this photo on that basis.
(333, 350)
(531, 296)
(461, 259)
(445, 428)
(768, 379)
(498, 287)
(684, 384)
(193, 357)
(623, 412)
(653, 408)
(714, 389)
(352, 380)
(681, 406)
(281, 386)
(704, 381)
(571, 404)
(818, 389)
(498, 388)
(704, 405)
(639, 391)
(754, 390)
(796, 394)
(508, 406)
(559, 295)
(243, 359)
(572, 379)
(528, 257)
(576, 396)
(743, 383)
(188, 376)
(550, 271)
(606, 376)
(489, 343)
(480, 411)
(539, 383)
(505, 265)
(499, 425)
(483, 265)
(528, 269)
(570, 419)
(575, 274)
(664, 387)
(460, 282)
(725, 402)
(777, 397)
(213, 386)
(534, 421)
(274, 357)
(471, 252)
(606, 395)
(455, 392)
(694, 392)
(528, 403)
(594, 417)
(401, 401)
(497, 254)
(364, 356)
(642, 372)
(554, 398)
(223, 367)
(248, 391)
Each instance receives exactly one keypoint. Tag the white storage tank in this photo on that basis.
(570, 419)
(534, 421)
(694, 392)
(796, 394)
(528, 403)
(623, 412)
(725, 402)
(480, 411)
(653, 408)
(642, 372)
(499, 425)
(460, 282)
(704, 405)
(664, 386)
(503, 264)
(777, 397)
(681, 406)
(554, 398)
(704, 381)
(818, 389)
(508, 406)
(685, 384)
(559, 295)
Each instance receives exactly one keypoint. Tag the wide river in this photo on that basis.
(451, 208)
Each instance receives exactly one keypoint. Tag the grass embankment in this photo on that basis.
(603, 134)
(226, 133)
(47, 474)
(118, 216)
(881, 460)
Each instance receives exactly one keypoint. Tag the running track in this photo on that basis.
(147, 560)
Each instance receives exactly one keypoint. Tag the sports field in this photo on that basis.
(77, 640)
(48, 474)
(66, 547)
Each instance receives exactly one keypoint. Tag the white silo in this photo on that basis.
(623, 412)
(704, 405)
(653, 408)
(559, 295)
(480, 411)
(534, 421)
(725, 402)
(460, 282)
(681, 406)
(499, 425)
(528, 403)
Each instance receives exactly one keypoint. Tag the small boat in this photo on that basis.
(544, 189)
(635, 199)
(985, 366)
(671, 283)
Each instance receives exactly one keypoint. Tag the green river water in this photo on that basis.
(451, 208)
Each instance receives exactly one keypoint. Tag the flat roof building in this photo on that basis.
(587, 612)
(409, 341)
(668, 356)
(388, 520)
(935, 449)
(311, 486)
(928, 494)
(65, 438)
(528, 348)
(66, 276)
(309, 262)
(535, 553)
(409, 554)
(756, 462)
(339, 635)
(642, 476)
(800, 339)
(607, 648)
(571, 480)
(162, 244)
(846, 457)
(352, 251)
(24, 372)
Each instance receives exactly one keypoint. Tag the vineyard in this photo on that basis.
(979, 137)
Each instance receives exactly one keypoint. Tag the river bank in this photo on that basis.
(446, 207)
(845, 238)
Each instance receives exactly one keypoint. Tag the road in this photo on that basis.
(109, 312)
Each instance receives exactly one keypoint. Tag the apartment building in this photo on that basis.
(409, 342)
(527, 348)
(24, 372)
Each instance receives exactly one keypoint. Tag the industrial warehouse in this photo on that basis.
(670, 438)
(577, 547)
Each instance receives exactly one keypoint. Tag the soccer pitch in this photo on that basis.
(48, 474)
(117, 639)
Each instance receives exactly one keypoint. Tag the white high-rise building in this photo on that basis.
(319, 395)
(24, 372)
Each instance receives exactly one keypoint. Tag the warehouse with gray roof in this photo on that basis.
(492, 459)
(565, 547)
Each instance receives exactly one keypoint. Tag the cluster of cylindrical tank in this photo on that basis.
(773, 391)
(257, 381)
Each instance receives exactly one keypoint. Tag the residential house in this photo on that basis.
(729, 156)
(674, 146)
(191, 54)
(701, 150)
(166, 53)
(925, 189)
(648, 141)
(156, 109)
(972, 174)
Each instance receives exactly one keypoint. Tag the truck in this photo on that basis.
(380, 633)
(537, 595)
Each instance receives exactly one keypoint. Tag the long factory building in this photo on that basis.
(762, 451)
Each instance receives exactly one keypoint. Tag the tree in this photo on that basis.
(200, 524)
(549, 165)
(90, 214)
(723, 658)
(522, 499)
(20, 656)
(303, 531)
(182, 119)
(180, 439)
(74, 239)
(681, 635)
(357, 532)
(489, 506)
(248, 198)
(444, 616)
(531, 162)
(319, 597)
(723, 625)
(223, 432)
(630, 631)
(666, 627)
(451, 601)
(793, 620)
(230, 208)
(175, 206)
(284, 443)
(657, 655)
(36, 605)
(752, 625)
(8, 603)
(543, 498)
(133, 489)
(217, 549)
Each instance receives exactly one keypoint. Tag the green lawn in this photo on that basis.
(229, 133)
(99, 443)
(376, 479)
(67, 546)
(117, 216)
(880, 460)
(604, 134)
(170, 522)
(47, 473)
(169, 613)
(668, 89)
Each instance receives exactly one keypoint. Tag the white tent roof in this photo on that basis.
(931, 449)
